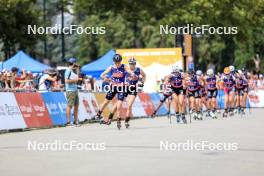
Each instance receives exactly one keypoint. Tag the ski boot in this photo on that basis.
(184, 119)
(243, 111)
(98, 115)
(177, 117)
(208, 113)
(127, 122)
(118, 124)
(195, 115)
(231, 112)
(236, 110)
(212, 114)
(199, 116)
(225, 113)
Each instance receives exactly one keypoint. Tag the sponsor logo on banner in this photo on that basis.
(33, 109)
(147, 103)
(10, 114)
(88, 106)
(56, 104)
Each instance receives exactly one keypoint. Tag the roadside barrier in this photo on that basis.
(22, 110)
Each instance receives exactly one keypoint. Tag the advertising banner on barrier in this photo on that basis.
(156, 100)
(88, 106)
(256, 98)
(33, 109)
(10, 114)
(147, 103)
(56, 104)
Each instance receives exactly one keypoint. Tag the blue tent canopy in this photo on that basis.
(23, 61)
(97, 67)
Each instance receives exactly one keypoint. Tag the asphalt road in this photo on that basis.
(150, 147)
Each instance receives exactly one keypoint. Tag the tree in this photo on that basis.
(16, 15)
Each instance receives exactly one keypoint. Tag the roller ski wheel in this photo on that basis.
(118, 124)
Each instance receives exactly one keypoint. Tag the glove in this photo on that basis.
(140, 86)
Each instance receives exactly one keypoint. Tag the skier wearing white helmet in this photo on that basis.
(202, 91)
(193, 87)
(176, 80)
(211, 81)
(240, 79)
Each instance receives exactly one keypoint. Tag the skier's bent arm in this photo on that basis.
(105, 72)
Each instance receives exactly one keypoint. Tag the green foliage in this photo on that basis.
(135, 24)
(15, 16)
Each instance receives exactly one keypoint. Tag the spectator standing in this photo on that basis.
(71, 80)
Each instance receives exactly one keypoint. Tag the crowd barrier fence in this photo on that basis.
(22, 110)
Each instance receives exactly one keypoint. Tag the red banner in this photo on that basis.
(147, 103)
(33, 109)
